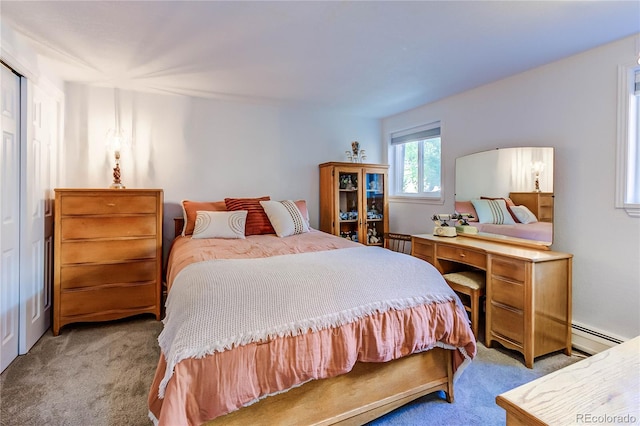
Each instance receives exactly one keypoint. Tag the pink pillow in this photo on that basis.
(302, 206)
(467, 207)
(190, 211)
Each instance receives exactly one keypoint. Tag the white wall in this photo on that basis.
(571, 105)
(207, 150)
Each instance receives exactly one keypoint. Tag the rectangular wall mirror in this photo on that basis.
(520, 176)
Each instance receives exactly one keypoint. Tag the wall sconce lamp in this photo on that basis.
(537, 168)
(117, 141)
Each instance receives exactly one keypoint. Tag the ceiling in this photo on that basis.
(367, 58)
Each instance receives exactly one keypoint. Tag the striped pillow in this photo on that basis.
(257, 220)
(493, 211)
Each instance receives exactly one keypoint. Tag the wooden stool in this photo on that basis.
(471, 283)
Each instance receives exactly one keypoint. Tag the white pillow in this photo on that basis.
(523, 214)
(220, 224)
(285, 217)
(493, 211)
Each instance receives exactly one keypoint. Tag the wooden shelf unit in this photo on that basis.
(353, 199)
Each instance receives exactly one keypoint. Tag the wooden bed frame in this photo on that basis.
(367, 392)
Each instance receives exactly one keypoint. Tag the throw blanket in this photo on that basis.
(218, 304)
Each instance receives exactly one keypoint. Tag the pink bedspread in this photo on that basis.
(186, 250)
(204, 388)
(538, 231)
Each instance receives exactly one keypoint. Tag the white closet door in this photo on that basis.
(9, 216)
(36, 255)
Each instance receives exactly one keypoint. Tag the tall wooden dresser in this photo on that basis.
(540, 203)
(107, 254)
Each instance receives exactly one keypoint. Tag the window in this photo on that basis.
(416, 163)
(628, 154)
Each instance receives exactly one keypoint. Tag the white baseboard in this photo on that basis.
(591, 341)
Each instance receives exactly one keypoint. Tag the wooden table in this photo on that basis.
(601, 389)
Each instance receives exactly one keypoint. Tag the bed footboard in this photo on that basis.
(369, 391)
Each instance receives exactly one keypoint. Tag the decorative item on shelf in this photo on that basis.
(356, 155)
(350, 235)
(350, 215)
(372, 236)
(343, 181)
(537, 168)
(350, 184)
(373, 213)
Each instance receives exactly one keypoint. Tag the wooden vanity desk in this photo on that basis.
(528, 290)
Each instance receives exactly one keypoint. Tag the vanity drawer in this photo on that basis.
(508, 293)
(511, 269)
(462, 255)
(423, 250)
(507, 322)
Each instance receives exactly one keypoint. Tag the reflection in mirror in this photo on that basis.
(521, 182)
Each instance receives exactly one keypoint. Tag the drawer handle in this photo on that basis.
(111, 204)
(462, 255)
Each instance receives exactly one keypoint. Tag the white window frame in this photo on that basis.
(628, 144)
(396, 168)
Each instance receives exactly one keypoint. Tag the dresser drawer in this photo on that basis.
(508, 293)
(82, 302)
(545, 201)
(507, 323)
(514, 270)
(423, 250)
(107, 251)
(545, 213)
(86, 227)
(107, 204)
(79, 276)
(466, 256)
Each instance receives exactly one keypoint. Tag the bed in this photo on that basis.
(501, 216)
(304, 329)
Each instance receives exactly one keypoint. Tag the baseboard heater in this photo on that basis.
(591, 341)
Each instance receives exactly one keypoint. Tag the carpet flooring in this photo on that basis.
(99, 374)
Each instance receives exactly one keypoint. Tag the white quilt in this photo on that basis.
(218, 304)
